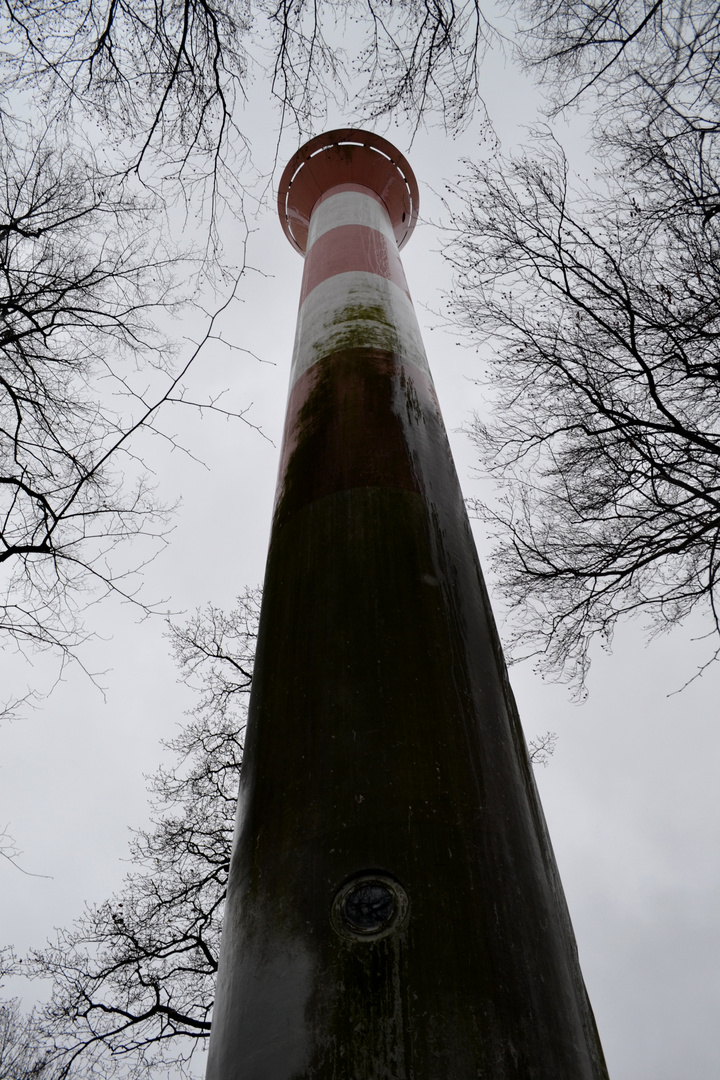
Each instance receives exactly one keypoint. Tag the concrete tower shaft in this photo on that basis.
(394, 909)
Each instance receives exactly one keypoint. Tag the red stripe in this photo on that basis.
(347, 426)
(352, 247)
(349, 187)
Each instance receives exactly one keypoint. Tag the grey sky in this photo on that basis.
(632, 796)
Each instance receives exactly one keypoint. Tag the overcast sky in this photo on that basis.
(632, 793)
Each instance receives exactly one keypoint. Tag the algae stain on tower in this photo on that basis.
(394, 909)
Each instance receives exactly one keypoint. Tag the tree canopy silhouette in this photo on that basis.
(601, 302)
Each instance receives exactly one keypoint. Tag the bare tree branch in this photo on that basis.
(605, 314)
(134, 980)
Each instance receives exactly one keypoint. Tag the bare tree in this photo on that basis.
(606, 419)
(24, 1054)
(86, 275)
(658, 57)
(411, 59)
(134, 980)
(168, 80)
(602, 306)
(651, 73)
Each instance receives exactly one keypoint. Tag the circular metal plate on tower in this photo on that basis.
(347, 156)
(369, 907)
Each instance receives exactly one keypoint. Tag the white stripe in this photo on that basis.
(349, 208)
(356, 310)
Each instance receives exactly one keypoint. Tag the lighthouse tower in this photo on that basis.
(394, 910)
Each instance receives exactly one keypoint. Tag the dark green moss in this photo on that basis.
(370, 312)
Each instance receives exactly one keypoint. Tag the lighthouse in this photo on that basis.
(394, 910)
